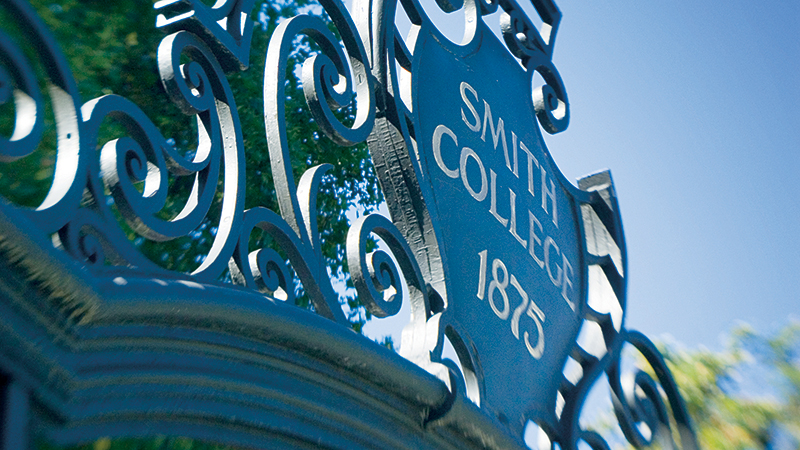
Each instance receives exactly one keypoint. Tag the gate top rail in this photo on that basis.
(98, 340)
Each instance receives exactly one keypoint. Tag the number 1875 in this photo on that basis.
(501, 305)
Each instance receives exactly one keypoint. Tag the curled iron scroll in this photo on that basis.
(637, 399)
(183, 83)
(199, 88)
(531, 45)
(144, 156)
(226, 24)
(18, 84)
(327, 84)
(306, 259)
(550, 100)
(376, 275)
(376, 272)
(250, 268)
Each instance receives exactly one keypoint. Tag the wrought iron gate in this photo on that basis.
(97, 340)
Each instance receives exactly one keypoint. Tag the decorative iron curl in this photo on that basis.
(524, 39)
(531, 45)
(18, 81)
(518, 32)
(534, 48)
(568, 430)
(594, 440)
(198, 88)
(326, 85)
(550, 100)
(303, 250)
(226, 26)
(146, 157)
(374, 273)
(264, 269)
(81, 239)
(190, 86)
(270, 275)
(89, 239)
(637, 399)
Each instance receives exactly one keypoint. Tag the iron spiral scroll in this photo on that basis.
(76, 249)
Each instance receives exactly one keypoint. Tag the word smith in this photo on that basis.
(483, 187)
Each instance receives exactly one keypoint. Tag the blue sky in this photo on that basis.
(693, 105)
(695, 108)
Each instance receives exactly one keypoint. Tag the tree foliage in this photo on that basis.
(111, 47)
(746, 396)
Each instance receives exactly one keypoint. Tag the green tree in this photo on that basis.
(723, 420)
(111, 47)
(745, 396)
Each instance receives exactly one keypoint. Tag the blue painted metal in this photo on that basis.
(498, 253)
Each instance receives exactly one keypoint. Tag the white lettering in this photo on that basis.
(519, 309)
(543, 248)
(512, 198)
(527, 306)
(499, 284)
(477, 126)
(531, 161)
(548, 244)
(437, 150)
(498, 133)
(567, 282)
(549, 193)
(466, 152)
(535, 239)
(493, 203)
(514, 146)
(538, 316)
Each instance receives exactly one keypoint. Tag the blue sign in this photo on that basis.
(506, 216)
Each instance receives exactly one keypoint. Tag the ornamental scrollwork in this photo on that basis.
(107, 194)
